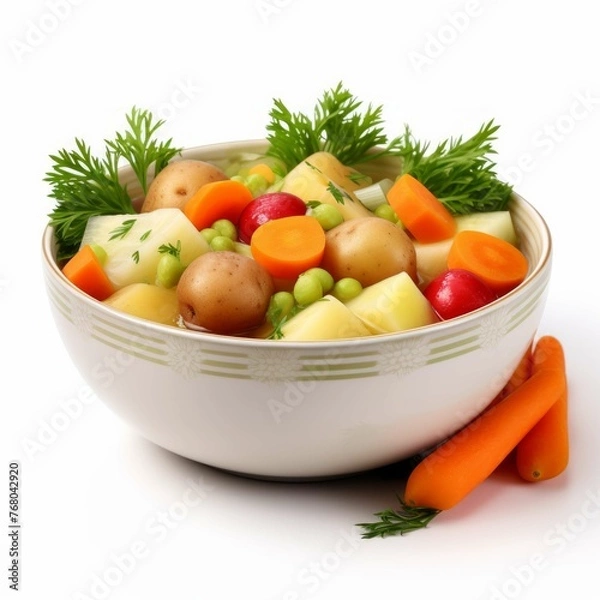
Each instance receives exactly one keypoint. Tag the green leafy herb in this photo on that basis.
(460, 173)
(277, 319)
(85, 186)
(337, 126)
(139, 148)
(136, 257)
(336, 192)
(359, 178)
(398, 522)
(145, 235)
(170, 249)
(118, 233)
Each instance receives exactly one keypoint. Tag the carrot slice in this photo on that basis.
(217, 200)
(500, 264)
(288, 246)
(456, 467)
(85, 271)
(544, 452)
(425, 217)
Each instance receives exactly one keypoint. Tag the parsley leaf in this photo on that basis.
(85, 185)
(337, 126)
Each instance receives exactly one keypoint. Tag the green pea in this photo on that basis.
(323, 276)
(347, 288)
(307, 289)
(209, 234)
(328, 216)
(225, 227)
(168, 271)
(385, 211)
(221, 242)
(281, 304)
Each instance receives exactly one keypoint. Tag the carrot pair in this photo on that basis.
(544, 452)
(531, 418)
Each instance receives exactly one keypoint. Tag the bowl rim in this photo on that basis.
(255, 145)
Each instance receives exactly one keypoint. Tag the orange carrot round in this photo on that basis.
(217, 200)
(456, 467)
(425, 217)
(544, 452)
(288, 246)
(85, 271)
(500, 264)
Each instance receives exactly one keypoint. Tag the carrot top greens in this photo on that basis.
(459, 172)
(85, 185)
(337, 126)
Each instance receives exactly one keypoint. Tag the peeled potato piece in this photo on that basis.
(147, 301)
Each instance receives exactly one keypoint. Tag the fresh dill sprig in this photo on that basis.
(85, 186)
(139, 148)
(338, 126)
(459, 172)
(118, 233)
(398, 522)
(170, 249)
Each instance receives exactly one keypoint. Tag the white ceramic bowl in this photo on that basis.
(277, 409)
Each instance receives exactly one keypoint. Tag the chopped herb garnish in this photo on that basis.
(120, 232)
(170, 249)
(86, 186)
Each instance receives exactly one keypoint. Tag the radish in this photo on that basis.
(269, 206)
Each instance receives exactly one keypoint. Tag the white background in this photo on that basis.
(98, 501)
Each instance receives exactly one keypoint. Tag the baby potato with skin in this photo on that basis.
(224, 292)
(369, 249)
(178, 182)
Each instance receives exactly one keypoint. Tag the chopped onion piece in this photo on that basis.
(375, 194)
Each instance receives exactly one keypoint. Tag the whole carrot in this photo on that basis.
(544, 452)
(456, 467)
